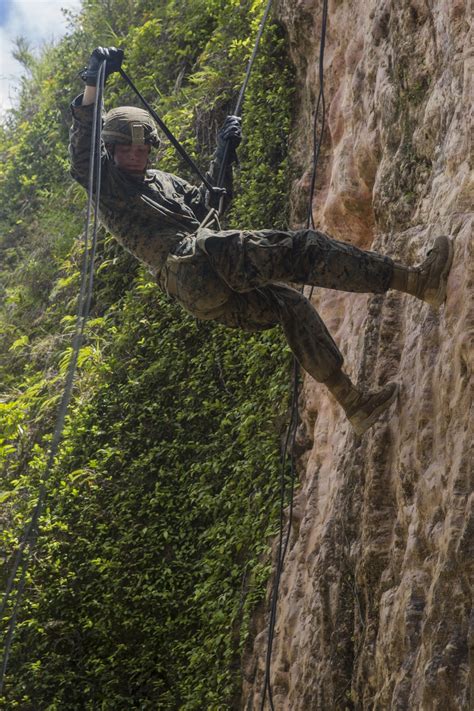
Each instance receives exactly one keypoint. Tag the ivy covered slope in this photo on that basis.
(152, 549)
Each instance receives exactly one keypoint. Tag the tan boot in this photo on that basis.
(362, 408)
(427, 281)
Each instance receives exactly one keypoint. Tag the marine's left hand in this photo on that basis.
(232, 130)
(229, 135)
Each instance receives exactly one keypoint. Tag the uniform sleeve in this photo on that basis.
(80, 137)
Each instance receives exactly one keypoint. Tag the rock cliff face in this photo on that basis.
(374, 602)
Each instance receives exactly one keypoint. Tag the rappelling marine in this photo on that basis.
(242, 279)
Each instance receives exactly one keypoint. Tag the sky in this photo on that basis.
(39, 21)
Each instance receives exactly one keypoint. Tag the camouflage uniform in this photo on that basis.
(238, 278)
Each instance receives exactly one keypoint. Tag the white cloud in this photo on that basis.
(39, 21)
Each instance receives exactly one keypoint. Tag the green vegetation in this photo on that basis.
(153, 549)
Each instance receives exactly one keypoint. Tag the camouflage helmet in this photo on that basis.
(129, 124)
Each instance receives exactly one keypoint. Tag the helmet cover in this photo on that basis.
(129, 124)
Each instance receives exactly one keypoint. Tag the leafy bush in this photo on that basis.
(153, 547)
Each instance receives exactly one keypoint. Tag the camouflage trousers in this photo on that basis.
(240, 279)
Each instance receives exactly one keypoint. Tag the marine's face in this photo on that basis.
(131, 158)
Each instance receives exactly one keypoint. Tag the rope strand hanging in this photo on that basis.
(292, 427)
(22, 557)
(23, 554)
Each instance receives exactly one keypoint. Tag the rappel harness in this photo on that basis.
(22, 557)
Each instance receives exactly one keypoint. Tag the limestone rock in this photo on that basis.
(375, 597)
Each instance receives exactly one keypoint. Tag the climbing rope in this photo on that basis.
(182, 151)
(23, 554)
(22, 557)
(317, 141)
(294, 419)
(213, 214)
(238, 107)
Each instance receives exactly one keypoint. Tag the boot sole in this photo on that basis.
(363, 425)
(436, 297)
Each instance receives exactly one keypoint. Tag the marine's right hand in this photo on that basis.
(110, 55)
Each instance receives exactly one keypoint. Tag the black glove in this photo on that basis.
(110, 55)
(231, 134)
(213, 198)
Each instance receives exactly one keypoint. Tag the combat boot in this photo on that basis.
(427, 281)
(362, 408)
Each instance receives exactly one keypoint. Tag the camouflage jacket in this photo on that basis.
(146, 215)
